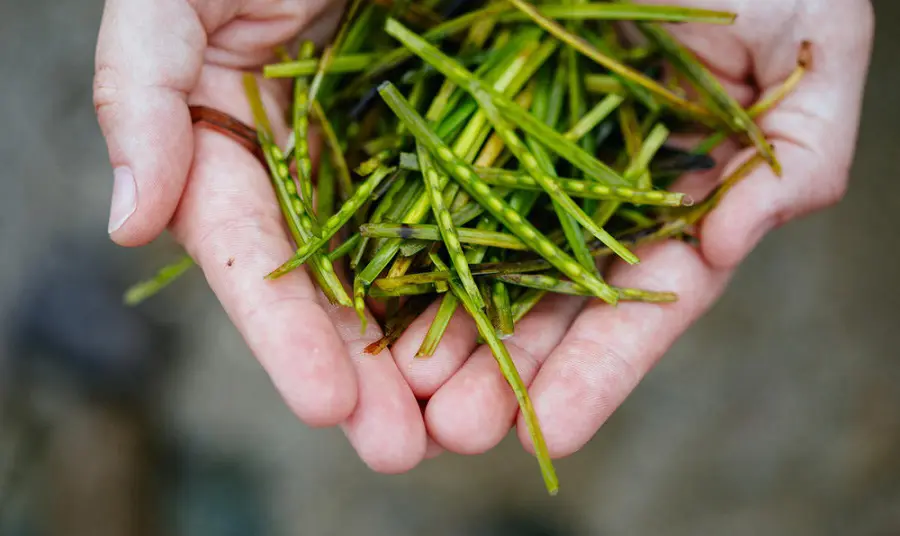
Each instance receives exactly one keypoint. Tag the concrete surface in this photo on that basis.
(778, 413)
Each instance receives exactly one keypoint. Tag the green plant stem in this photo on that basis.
(449, 303)
(554, 284)
(432, 233)
(331, 50)
(166, 275)
(511, 374)
(378, 215)
(345, 182)
(325, 191)
(604, 83)
(301, 129)
(350, 63)
(525, 303)
(446, 227)
(594, 117)
(345, 248)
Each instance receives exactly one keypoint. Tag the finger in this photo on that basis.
(609, 349)
(242, 34)
(426, 375)
(313, 352)
(474, 410)
(228, 222)
(814, 131)
(149, 56)
(386, 428)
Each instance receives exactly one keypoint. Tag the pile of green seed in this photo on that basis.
(484, 154)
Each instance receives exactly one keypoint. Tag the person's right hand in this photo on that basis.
(153, 59)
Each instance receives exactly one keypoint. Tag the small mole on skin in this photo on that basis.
(230, 262)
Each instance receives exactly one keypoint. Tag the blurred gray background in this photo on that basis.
(778, 413)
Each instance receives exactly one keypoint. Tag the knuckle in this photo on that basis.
(105, 90)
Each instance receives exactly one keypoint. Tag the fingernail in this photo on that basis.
(124, 198)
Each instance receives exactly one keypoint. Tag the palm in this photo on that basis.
(581, 358)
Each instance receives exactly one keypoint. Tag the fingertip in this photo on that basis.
(309, 365)
(425, 375)
(392, 450)
(329, 403)
(474, 410)
(151, 150)
(467, 424)
(728, 251)
(386, 427)
(148, 58)
(124, 199)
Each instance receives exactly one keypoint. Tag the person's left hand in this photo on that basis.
(581, 359)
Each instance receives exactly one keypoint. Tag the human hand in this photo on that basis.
(580, 358)
(153, 59)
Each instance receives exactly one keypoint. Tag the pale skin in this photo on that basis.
(580, 358)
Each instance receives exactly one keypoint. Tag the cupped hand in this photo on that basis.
(581, 359)
(154, 58)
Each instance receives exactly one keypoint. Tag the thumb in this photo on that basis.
(149, 56)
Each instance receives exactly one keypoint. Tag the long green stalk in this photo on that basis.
(433, 233)
(511, 374)
(554, 284)
(307, 67)
(345, 182)
(301, 128)
(539, 282)
(166, 275)
(446, 227)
